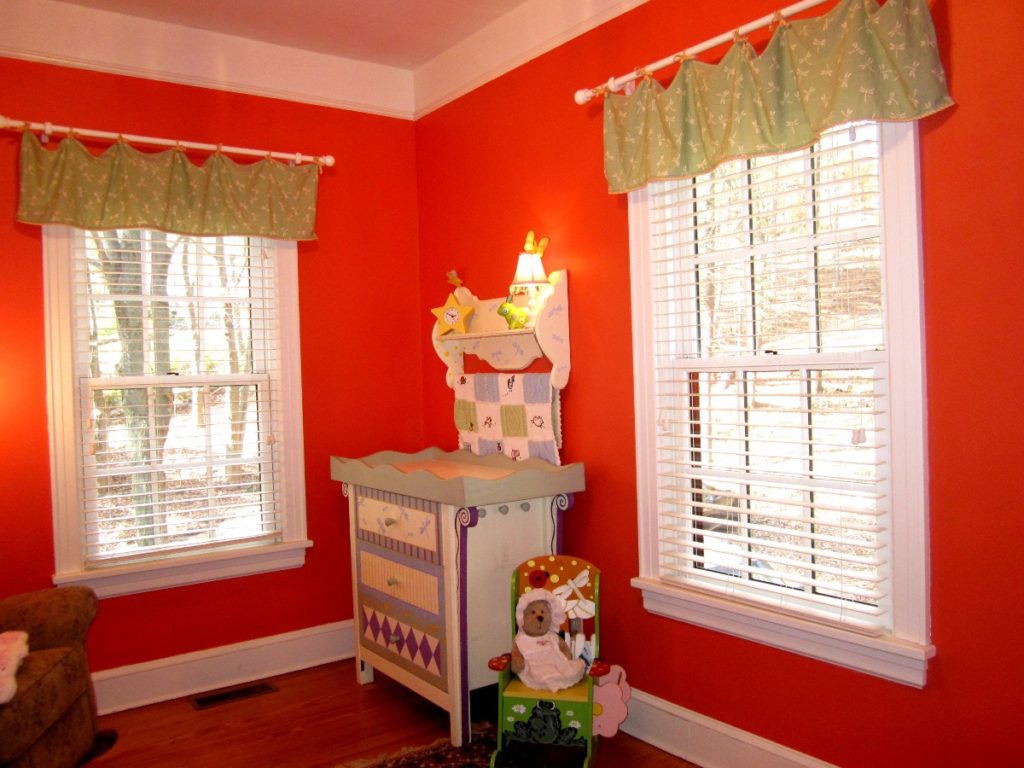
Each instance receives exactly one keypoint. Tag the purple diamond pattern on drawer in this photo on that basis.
(371, 623)
(403, 640)
(426, 651)
(410, 641)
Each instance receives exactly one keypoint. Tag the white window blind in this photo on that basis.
(177, 355)
(769, 362)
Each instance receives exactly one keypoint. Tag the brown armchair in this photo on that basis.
(51, 721)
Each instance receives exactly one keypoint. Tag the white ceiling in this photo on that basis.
(397, 33)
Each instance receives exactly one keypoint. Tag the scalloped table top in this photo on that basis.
(458, 477)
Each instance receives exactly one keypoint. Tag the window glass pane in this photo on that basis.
(162, 304)
(721, 205)
(176, 466)
(849, 286)
(848, 191)
(802, 508)
(783, 296)
(725, 308)
(781, 198)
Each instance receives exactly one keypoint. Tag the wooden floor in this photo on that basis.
(317, 718)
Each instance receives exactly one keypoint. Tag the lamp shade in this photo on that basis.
(529, 271)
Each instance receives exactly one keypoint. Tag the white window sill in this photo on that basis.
(893, 659)
(192, 569)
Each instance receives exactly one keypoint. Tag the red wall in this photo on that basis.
(356, 397)
(519, 154)
(460, 188)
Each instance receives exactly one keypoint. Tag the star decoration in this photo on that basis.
(452, 316)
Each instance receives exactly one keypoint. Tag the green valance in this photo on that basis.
(123, 188)
(859, 61)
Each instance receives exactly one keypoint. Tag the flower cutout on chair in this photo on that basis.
(611, 693)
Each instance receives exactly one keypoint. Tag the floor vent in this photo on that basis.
(227, 695)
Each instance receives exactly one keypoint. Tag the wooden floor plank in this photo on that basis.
(317, 718)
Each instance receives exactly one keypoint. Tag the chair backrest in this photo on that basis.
(578, 584)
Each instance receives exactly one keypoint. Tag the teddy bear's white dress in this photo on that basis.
(546, 667)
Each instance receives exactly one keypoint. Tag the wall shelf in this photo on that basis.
(489, 338)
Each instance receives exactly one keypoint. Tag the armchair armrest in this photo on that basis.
(52, 617)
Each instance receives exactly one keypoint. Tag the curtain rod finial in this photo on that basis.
(583, 95)
(327, 160)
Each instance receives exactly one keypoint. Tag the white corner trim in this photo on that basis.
(522, 34)
(85, 38)
(707, 742)
(896, 660)
(137, 685)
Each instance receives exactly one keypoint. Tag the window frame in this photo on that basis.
(66, 454)
(902, 654)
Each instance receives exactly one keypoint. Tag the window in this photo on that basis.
(779, 386)
(175, 407)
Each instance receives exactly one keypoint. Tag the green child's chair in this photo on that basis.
(534, 721)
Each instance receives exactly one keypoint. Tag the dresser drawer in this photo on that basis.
(397, 581)
(398, 522)
(403, 641)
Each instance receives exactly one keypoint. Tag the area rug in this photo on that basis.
(476, 754)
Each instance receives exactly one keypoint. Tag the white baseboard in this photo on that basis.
(136, 685)
(704, 741)
(679, 731)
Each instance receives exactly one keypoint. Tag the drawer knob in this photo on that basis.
(392, 581)
(389, 521)
(394, 637)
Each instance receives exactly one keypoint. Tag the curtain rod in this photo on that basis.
(8, 123)
(584, 95)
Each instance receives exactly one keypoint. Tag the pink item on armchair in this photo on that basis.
(13, 648)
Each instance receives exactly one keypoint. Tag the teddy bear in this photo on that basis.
(540, 657)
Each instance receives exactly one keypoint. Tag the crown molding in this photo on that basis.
(85, 38)
(75, 36)
(524, 33)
